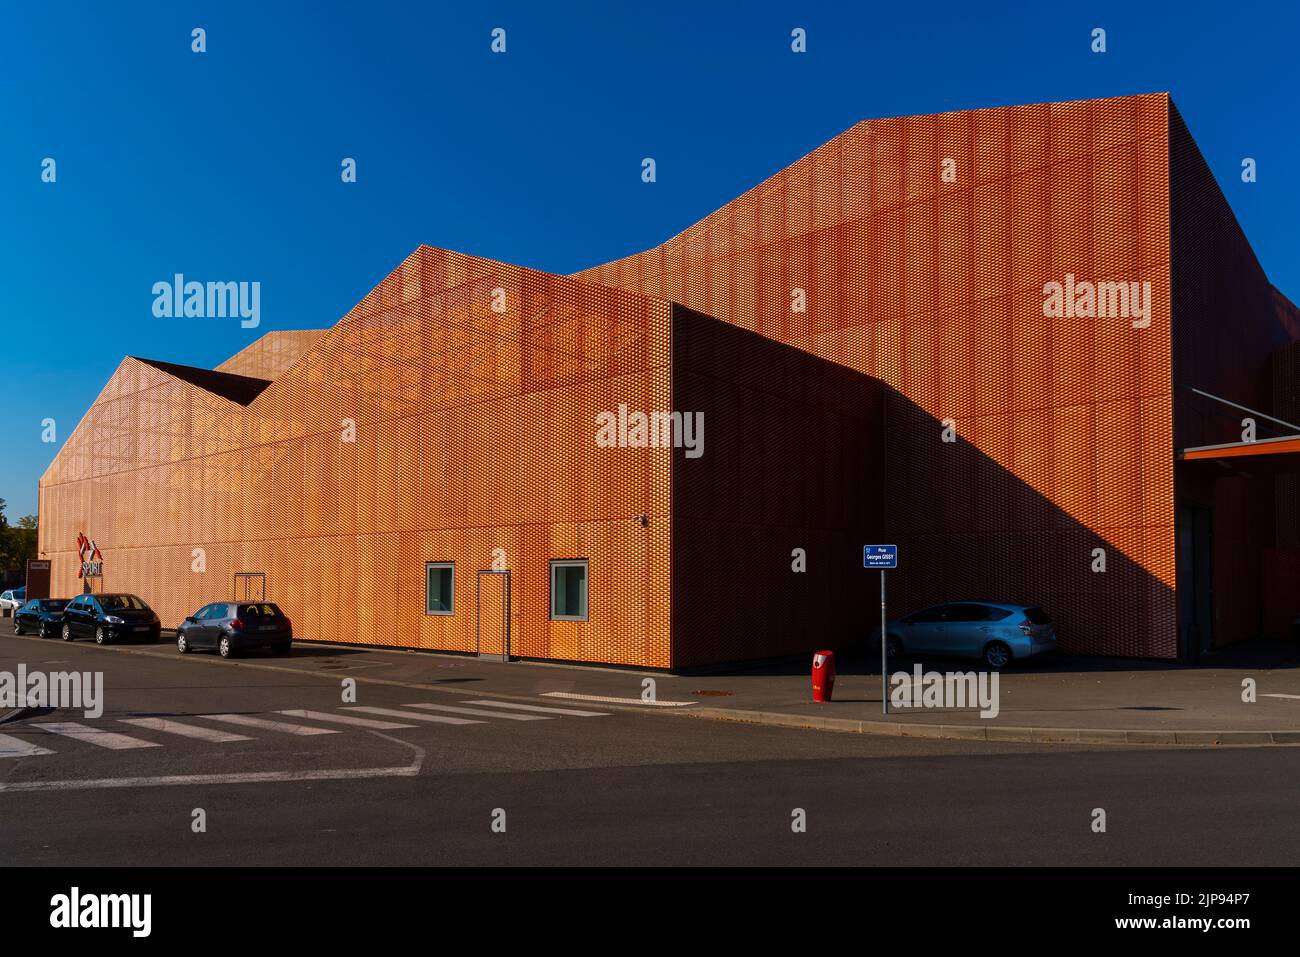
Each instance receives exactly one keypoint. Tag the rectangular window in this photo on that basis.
(569, 590)
(439, 582)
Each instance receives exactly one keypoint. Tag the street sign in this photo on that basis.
(882, 557)
(879, 556)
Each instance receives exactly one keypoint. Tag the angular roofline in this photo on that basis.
(236, 388)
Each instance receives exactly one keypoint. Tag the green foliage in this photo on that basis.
(17, 544)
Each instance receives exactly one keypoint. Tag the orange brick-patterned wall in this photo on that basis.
(1063, 427)
(272, 354)
(769, 523)
(474, 431)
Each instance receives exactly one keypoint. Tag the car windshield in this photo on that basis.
(1037, 616)
(54, 604)
(122, 602)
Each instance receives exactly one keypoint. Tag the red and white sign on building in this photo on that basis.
(92, 562)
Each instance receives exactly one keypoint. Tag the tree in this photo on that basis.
(17, 545)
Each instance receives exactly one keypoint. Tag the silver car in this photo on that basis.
(13, 599)
(996, 632)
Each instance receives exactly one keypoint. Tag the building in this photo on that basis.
(1016, 341)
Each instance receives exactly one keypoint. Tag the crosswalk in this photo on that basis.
(300, 722)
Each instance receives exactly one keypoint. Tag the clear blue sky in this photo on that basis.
(225, 165)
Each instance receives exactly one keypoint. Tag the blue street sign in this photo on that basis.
(879, 556)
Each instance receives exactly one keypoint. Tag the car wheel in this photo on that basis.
(893, 647)
(101, 636)
(997, 654)
(67, 632)
(225, 649)
(18, 627)
(182, 644)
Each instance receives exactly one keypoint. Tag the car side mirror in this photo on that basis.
(191, 619)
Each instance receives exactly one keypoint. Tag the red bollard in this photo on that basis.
(823, 675)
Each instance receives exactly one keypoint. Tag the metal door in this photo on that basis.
(492, 614)
(246, 583)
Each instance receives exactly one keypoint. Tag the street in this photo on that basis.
(280, 770)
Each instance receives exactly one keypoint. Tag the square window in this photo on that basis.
(439, 582)
(569, 590)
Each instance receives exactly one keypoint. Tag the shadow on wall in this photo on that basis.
(792, 466)
(968, 528)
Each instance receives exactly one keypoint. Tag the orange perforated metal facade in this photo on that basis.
(472, 434)
(866, 335)
(272, 354)
(1062, 427)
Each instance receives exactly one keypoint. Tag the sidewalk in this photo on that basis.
(1057, 698)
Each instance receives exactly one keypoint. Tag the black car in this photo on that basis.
(110, 617)
(231, 627)
(41, 616)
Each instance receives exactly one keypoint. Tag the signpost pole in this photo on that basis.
(884, 653)
(882, 557)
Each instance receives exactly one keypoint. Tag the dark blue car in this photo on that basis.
(40, 616)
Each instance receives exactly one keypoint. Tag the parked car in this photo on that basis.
(13, 599)
(108, 618)
(42, 616)
(996, 632)
(232, 627)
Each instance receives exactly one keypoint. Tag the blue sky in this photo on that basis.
(225, 165)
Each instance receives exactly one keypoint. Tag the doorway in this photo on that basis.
(250, 586)
(492, 615)
(1195, 580)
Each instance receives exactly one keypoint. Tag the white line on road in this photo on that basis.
(96, 736)
(612, 700)
(185, 730)
(533, 707)
(251, 722)
(252, 777)
(17, 748)
(1275, 695)
(479, 712)
(412, 716)
(346, 719)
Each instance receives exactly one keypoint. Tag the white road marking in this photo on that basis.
(248, 777)
(266, 725)
(533, 707)
(1275, 695)
(252, 777)
(185, 730)
(412, 716)
(17, 748)
(612, 700)
(346, 719)
(96, 736)
(479, 712)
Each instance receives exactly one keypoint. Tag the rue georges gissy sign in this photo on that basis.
(879, 556)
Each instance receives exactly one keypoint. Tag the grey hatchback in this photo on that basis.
(997, 632)
(231, 627)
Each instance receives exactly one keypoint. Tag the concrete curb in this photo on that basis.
(963, 732)
(1024, 735)
(15, 714)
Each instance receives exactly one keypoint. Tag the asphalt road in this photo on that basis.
(604, 787)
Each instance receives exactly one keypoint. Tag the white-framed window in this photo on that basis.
(569, 589)
(439, 588)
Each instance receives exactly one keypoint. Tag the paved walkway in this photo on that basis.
(1056, 698)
